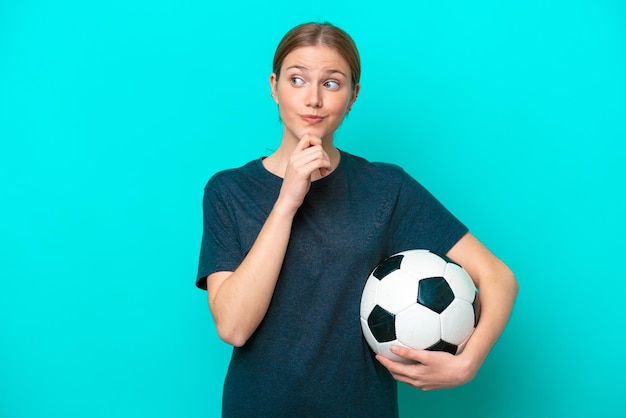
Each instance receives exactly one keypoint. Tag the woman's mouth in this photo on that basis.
(312, 119)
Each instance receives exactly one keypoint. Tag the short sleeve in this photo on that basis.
(220, 249)
(422, 221)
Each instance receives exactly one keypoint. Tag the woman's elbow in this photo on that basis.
(231, 336)
(229, 331)
(511, 281)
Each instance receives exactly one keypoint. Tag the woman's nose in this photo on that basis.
(314, 98)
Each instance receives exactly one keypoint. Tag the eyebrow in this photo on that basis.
(306, 69)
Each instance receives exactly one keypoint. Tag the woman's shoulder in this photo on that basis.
(236, 174)
(378, 168)
(249, 179)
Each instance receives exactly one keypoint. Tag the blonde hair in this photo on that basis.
(312, 34)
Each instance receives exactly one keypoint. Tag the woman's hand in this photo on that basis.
(308, 158)
(432, 370)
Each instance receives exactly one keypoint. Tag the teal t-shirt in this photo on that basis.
(308, 357)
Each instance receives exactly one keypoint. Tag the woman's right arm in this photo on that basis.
(240, 299)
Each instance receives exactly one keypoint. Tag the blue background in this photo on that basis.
(113, 114)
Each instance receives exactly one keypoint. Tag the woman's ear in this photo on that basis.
(355, 94)
(273, 86)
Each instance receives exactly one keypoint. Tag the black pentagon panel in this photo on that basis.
(388, 266)
(435, 293)
(476, 306)
(441, 345)
(382, 324)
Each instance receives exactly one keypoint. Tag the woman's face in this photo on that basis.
(314, 91)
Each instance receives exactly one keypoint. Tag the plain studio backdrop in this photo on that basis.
(114, 114)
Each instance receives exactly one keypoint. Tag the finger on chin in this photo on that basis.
(311, 139)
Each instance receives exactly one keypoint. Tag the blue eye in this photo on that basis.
(297, 81)
(333, 85)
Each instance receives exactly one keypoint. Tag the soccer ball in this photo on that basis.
(420, 300)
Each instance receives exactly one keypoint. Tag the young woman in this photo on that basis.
(289, 241)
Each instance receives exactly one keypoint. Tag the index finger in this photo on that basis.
(309, 140)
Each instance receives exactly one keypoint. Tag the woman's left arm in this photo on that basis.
(497, 292)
